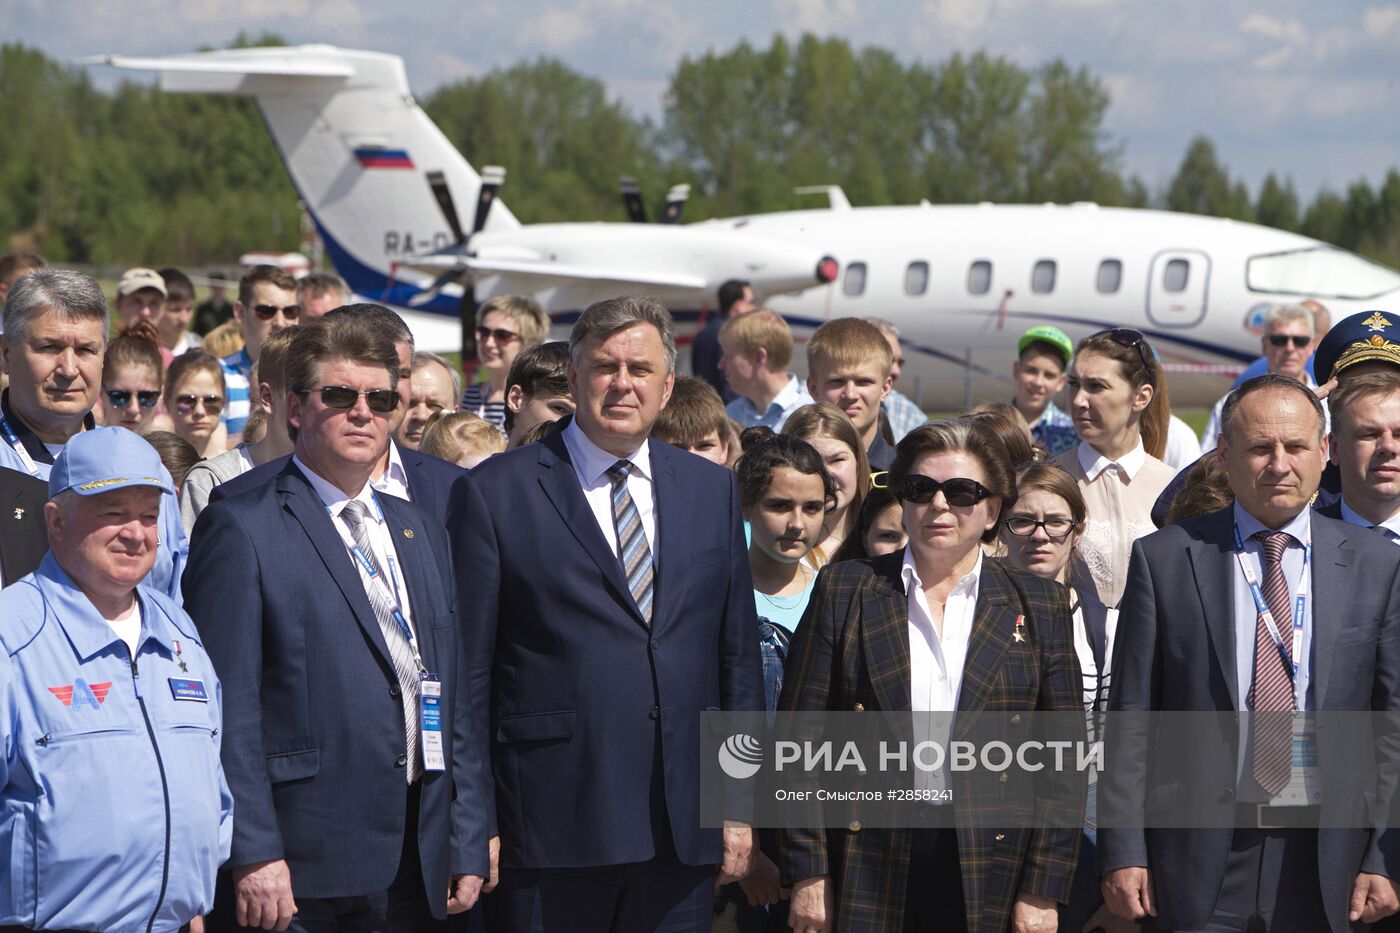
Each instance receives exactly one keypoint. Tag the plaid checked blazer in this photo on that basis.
(851, 652)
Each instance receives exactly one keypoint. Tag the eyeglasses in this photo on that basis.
(185, 404)
(268, 312)
(1282, 340)
(1025, 526)
(959, 492)
(880, 479)
(499, 334)
(120, 398)
(1127, 337)
(343, 398)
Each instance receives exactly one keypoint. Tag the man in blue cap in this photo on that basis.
(113, 805)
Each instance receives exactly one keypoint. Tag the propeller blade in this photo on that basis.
(492, 177)
(439, 283)
(675, 203)
(438, 182)
(632, 199)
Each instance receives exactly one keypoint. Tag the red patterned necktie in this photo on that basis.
(1271, 695)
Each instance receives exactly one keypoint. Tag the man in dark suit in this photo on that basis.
(23, 539)
(735, 298)
(608, 603)
(424, 480)
(1194, 635)
(1365, 446)
(354, 753)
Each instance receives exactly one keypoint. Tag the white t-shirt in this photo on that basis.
(128, 626)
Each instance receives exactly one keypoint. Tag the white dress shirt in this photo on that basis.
(394, 482)
(936, 663)
(380, 537)
(1391, 525)
(591, 464)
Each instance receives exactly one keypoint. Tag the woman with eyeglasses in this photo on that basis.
(194, 392)
(132, 373)
(506, 325)
(833, 434)
(1118, 400)
(939, 628)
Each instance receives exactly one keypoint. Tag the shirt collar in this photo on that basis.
(1300, 527)
(87, 631)
(1094, 463)
(592, 462)
(332, 496)
(789, 393)
(1349, 514)
(241, 361)
(967, 585)
(395, 470)
(36, 448)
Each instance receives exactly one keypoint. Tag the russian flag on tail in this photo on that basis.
(375, 157)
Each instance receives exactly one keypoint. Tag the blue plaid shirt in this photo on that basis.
(1054, 431)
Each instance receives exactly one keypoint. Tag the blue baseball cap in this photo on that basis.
(107, 459)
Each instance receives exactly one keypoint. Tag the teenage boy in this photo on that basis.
(1043, 355)
(695, 418)
(848, 365)
(537, 389)
(756, 351)
(174, 325)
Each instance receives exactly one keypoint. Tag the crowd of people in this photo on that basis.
(305, 634)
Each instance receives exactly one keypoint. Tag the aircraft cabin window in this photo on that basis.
(1320, 271)
(1110, 276)
(979, 277)
(1176, 275)
(855, 279)
(1043, 277)
(916, 278)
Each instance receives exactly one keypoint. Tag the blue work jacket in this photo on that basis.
(114, 812)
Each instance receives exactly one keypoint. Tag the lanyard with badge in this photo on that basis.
(429, 687)
(12, 439)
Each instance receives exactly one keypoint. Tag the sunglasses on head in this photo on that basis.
(185, 404)
(268, 312)
(959, 491)
(343, 398)
(499, 334)
(1127, 337)
(1024, 526)
(1283, 340)
(120, 398)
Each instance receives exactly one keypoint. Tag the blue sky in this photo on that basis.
(1306, 89)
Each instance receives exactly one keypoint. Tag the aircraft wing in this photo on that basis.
(540, 274)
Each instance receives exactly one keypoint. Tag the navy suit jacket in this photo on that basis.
(24, 538)
(313, 724)
(430, 480)
(595, 716)
(1175, 650)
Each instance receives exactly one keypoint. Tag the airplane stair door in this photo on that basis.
(1177, 288)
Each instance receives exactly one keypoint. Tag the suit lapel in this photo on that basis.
(885, 632)
(1331, 588)
(411, 543)
(1212, 560)
(670, 540)
(993, 628)
(301, 500)
(419, 491)
(560, 484)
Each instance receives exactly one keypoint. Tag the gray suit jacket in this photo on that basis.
(1175, 650)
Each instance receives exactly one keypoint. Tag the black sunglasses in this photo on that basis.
(500, 334)
(268, 312)
(343, 398)
(120, 398)
(185, 404)
(1055, 528)
(959, 492)
(1127, 337)
(1283, 340)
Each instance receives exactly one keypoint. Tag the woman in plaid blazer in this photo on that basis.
(939, 628)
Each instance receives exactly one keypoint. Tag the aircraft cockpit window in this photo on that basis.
(916, 278)
(1110, 276)
(1043, 277)
(1176, 275)
(1320, 272)
(854, 283)
(979, 277)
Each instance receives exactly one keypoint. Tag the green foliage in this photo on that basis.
(139, 176)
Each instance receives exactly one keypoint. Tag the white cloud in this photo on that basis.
(558, 30)
(1381, 22)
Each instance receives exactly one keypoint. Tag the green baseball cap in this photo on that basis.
(1051, 335)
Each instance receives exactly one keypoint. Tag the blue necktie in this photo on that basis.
(632, 548)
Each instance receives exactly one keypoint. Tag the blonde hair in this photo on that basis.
(763, 329)
(529, 316)
(223, 340)
(449, 435)
(848, 341)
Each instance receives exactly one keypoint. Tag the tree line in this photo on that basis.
(140, 176)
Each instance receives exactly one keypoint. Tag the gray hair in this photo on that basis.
(1287, 314)
(66, 292)
(1264, 383)
(378, 315)
(886, 327)
(422, 358)
(316, 284)
(605, 318)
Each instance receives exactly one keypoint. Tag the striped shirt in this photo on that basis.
(238, 368)
(474, 401)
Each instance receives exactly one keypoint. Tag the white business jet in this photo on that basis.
(962, 282)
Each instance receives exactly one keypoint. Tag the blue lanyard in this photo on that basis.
(392, 590)
(13, 440)
(1290, 659)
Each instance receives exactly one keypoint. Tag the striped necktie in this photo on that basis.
(1384, 532)
(632, 548)
(400, 651)
(1271, 696)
